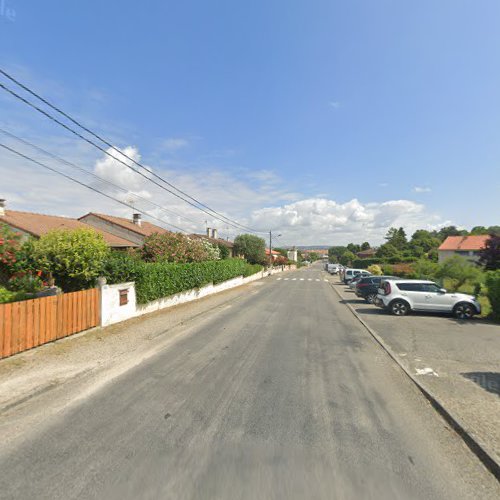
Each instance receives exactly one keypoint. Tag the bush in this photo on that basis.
(9, 246)
(459, 271)
(425, 269)
(223, 251)
(375, 270)
(176, 247)
(10, 296)
(157, 280)
(365, 263)
(121, 267)
(74, 258)
(387, 269)
(493, 293)
(25, 282)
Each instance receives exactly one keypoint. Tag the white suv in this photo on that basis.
(402, 296)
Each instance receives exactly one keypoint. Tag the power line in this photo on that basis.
(26, 157)
(233, 222)
(81, 169)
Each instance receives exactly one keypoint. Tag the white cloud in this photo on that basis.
(419, 189)
(334, 104)
(175, 143)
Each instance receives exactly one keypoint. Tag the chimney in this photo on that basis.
(214, 234)
(208, 232)
(136, 219)
(2, 207)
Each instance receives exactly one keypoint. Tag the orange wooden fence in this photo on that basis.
(30, 323)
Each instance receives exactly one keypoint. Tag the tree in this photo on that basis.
(388, 251)
(489, 256)
(251, 247)
(223, 251)
(425, 269)
(334, 253)
(353, 247)
(346, 258)
(478, 230)
(74, 258)
(493, 230)
(314, 256)
(459, 271)
(397, 238)
(444, 232)
(365, 246)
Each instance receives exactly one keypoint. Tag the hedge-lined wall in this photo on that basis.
(160, 279)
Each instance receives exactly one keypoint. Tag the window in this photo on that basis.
(411, 287)
(432, 288)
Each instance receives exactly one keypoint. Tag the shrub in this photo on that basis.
(251, 247)
(375, 269)
(74, 258)
(365, 263)
(161, 279)
(9, 246)
(387, 269)
(459, 271)
(425, 269)
(493, 294)
(121, 267)
(176, 247)
(10, 296)
(25, 282)
(223, 251)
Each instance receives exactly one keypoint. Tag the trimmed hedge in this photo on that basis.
(155, 280)
(493, 294)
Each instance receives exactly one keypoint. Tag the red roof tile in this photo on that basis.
(40, 224)
(464, 242)
(145, 229)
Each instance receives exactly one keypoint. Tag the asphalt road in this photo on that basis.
(281, 394)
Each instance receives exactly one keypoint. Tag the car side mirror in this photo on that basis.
(442, 290)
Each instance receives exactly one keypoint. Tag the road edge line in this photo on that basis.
(472, 443)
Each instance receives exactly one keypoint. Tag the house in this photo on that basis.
(212, 237)
(274, 253)
(465, 246)
(32, 224)
(135, 229)
(369, 253)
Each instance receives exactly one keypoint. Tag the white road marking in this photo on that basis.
(294, 279)
(278, 279)
(326, 281)
(317, 279)
(286, 279)
(301, 279)
(309, 279)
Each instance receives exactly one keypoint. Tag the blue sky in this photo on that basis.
(325, 120)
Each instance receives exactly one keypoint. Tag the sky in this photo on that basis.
(324, 121)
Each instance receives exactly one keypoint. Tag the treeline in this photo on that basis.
(398, 248)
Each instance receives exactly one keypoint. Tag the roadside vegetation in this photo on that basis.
(417, 258)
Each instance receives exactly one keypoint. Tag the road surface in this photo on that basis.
(281, 394)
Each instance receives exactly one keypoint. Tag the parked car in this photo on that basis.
(403, 296)
(349, 274)
(333, 268)
(367, 287)
(357, 278)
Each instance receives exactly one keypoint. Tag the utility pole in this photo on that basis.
(270, 248)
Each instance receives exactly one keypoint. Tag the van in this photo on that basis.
(332, 268)
(349, 274)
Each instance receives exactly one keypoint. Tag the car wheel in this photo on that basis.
(370, 298)
(400, 308)
(463, 311)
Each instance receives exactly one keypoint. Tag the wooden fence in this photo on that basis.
(30, 323)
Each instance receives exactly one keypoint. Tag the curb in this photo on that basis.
(473, 444)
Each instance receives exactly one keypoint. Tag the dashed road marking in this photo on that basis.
(317, 279)
(286, 279)
(278, 279)
(301, 279)
(309, 279)
(294, 279)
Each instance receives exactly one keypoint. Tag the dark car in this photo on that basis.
(367, 287)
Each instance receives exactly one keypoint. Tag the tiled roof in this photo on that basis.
(214, 241)
(145, 229)
(273, 251)
(464, 242)
(40, 224)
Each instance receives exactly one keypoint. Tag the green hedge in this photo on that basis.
(364, 263)
(156, 280)
(493, 285)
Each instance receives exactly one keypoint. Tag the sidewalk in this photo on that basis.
(456, 362)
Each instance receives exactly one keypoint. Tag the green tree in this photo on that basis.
(365, 246)
(388, 251)
(251, 247)
(459, 271)
(444, 232)
(223, 251)
(346, 258)
(353, 247)
(334, 253)
(489, 256)
(397, 238)
(74, 258)
(494, 230)
(425, 269)
(478, 230)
